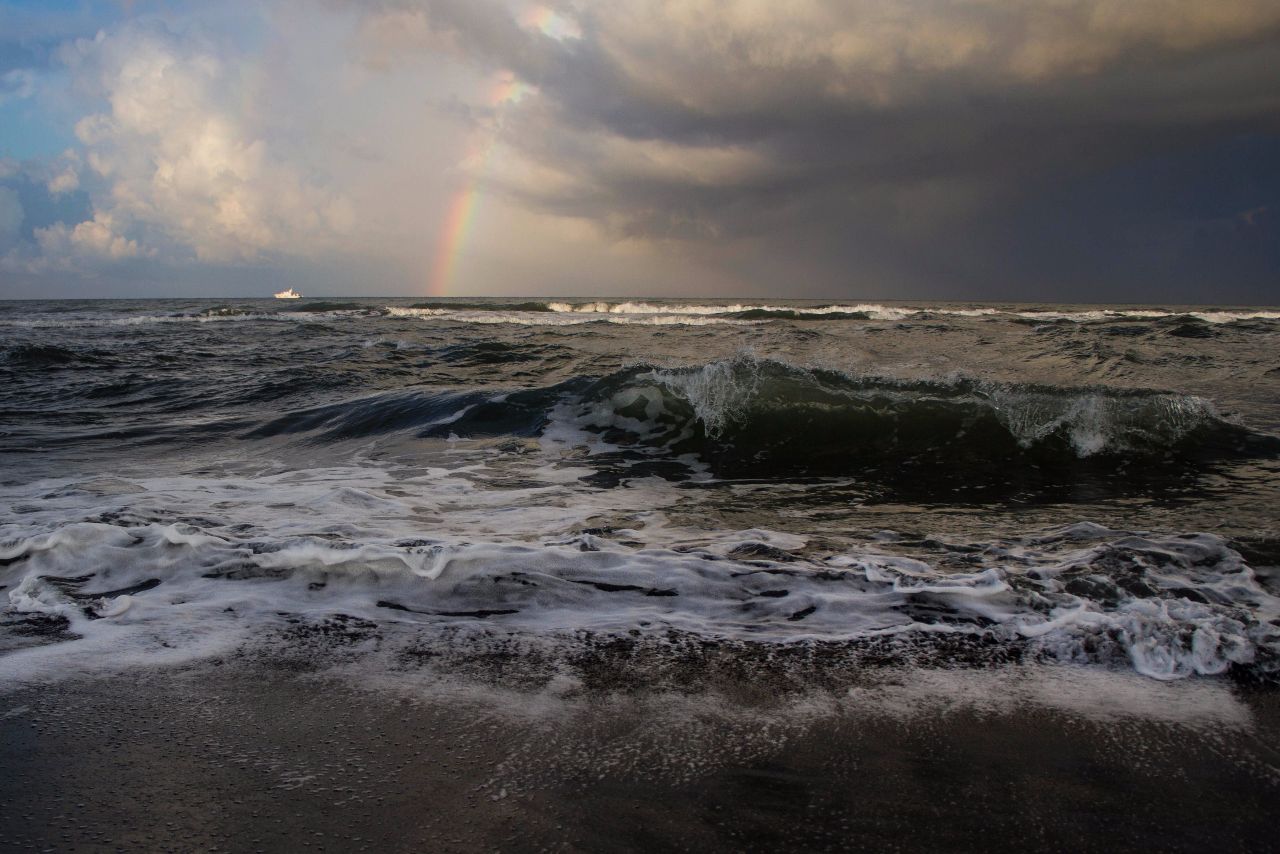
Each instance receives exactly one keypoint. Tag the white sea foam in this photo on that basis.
(726, 392)
(670, 313)
(543, 318)
(875, 311)
(636, 312)
(1148, 314)
(1097, 694)
(400, 311)
(438, 549)
(1096, 422)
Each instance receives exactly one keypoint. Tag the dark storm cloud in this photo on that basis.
(1015, 150)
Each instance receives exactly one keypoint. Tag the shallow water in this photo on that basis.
(622, 485)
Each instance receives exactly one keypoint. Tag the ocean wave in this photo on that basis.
(793, 314)
(639, 312)
(662, 313)
(484, 353)
(43, 356)
(880, 311)
(220, 314)
(861, 311)
(528, 305)
(336, 309)
(765, 417)
(136, 320)
(1169, 607)
(1090, 315)
(550, 317)
(749, 414)
(561, 313)
(657, 313)
(477, 413)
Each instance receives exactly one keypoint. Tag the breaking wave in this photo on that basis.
(536, 314)
(637, 312)
(746, 412)
(646, 313)
(754, 415)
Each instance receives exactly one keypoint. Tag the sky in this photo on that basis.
(1046, 151)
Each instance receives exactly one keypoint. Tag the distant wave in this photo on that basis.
(659, 313)
(217, 316)
(643, 313)
(1146, 314)
(877, 311)
(481, 306)
(494, 314)
(220, 314)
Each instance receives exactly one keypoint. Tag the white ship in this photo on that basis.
(289, 294)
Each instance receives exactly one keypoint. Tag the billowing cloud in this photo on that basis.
(64, 182)
(94, 239)
(183, 163)
(910, 147)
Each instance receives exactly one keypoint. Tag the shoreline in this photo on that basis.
(270, 758)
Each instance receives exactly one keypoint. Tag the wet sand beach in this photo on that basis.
(216, 758)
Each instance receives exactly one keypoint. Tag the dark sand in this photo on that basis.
(217, 758)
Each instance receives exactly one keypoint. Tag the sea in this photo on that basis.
(762, 499)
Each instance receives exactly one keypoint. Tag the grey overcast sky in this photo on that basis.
(1060, 150)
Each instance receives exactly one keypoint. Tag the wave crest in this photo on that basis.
(760, 416)
(746, 413)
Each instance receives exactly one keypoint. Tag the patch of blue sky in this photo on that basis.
(28, 131)
(38, 110)
(34, 24)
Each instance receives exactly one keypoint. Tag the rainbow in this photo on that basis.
(460, 214)
(459, 217)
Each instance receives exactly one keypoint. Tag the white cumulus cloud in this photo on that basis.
(184, 165)
(66, 181)
(93, 239)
